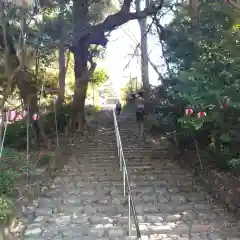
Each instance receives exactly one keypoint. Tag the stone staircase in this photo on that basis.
(86, 200)
(168, 203)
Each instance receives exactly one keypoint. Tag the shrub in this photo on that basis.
(7, 181)
(6, 206)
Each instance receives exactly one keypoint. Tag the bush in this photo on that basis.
(7, 181)
(16, 132)
(12, 165)
(14, 160)
(6, 206)
(44, 159)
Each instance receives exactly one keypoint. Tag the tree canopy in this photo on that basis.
(204, 75)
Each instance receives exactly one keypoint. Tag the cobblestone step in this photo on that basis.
(168, 203)
(86, 200)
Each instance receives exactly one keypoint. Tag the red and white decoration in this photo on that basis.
(19, 117)
(35, 117)
(24, 114)
(201, 114)
(11, 116)
(189, 111)
(225, 105)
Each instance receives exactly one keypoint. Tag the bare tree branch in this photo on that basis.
(111, 22)
(235, 4)
(138, 47)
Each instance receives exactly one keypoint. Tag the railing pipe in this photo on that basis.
(126, 183)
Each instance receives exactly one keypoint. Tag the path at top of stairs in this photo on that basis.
(168, 202)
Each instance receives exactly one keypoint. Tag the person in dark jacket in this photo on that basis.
(140, 112)
(118, 108)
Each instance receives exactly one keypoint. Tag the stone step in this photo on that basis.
(88, 202)
(184, 232)
(167, 201)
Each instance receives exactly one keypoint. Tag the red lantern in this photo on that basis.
(201, 114)
(19, 117)
(225, 105)
(24, 114)
(189, 111)
(35, 117)
(11, 115)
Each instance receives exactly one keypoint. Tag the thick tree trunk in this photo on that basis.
(80, 20)
(78, 114)
(81, 84)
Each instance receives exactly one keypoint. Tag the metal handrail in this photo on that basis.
(126, 183)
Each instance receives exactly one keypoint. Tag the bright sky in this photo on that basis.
(120, 49)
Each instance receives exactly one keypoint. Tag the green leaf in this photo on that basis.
(225, 137)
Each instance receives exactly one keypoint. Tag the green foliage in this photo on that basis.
(132, 85)
(13, 160)
(6, 206)
(99, 77)
(235, 163)
(44, 159)
(205, 61)
(7, 181)
(16, 134)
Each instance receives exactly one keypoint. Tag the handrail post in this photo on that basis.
(119, 152)
(124, 180)
(129, 216)
(126, 183)
(120, 161)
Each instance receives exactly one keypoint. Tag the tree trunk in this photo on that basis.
(61, 59)
(29, 93)
(61, 93)
(159, 29)
(80, 19)
(1, 126)
(78, 114)
(80, 92)
(194, 4)
(144, 54)
(144, 51)
(93, 93)
(16, 71)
